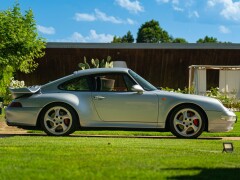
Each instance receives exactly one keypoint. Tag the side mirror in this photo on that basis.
(137, 88)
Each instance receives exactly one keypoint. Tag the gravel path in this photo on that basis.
(5, 129)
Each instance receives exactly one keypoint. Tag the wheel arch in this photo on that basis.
(167, 124)
(51, 104)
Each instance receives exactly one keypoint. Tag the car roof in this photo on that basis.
(100, 70)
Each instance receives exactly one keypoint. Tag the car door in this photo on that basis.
(81, 87)
(115, 102)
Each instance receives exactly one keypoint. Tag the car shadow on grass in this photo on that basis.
(206, 173)
(7, 135)
(2, 135)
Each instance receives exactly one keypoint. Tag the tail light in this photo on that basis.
(15, 104)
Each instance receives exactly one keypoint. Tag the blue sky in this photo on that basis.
(100, 20)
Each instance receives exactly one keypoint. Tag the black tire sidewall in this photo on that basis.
(175, 111)
(72, 112)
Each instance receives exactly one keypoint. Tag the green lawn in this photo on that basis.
(43, 157)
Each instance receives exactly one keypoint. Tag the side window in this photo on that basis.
(113, 82)
(77, 84)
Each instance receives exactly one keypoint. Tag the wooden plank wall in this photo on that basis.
(162, 67)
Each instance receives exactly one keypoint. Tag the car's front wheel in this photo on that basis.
(58, 119)
(187, 121)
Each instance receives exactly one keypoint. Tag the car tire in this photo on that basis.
(187, 121)
(58, 119)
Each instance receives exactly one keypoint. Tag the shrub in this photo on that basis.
(183, 91)
(228, 99)
(13, 84)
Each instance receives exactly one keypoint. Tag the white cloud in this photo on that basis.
(103, 17)
(230, 9)
(211, 3)
(193, 14)
(77, 37)
(175, 4)
(178, 9)
(46, 30)
(224, 29)
(189, 3)
(130, 21)
(162, 1)
(93, 36)
(132, 6)
(84, 17)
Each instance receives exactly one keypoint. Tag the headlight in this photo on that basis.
(229, 118)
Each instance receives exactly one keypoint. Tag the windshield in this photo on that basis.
(142, 82)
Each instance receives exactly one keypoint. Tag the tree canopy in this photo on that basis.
(20, 44)
(151, 32)
(117, 39)
(207, 39)
(127, 38)
(179, 40)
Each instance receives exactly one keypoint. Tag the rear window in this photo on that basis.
(77, 84)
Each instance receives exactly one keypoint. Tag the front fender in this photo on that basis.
(168, 101)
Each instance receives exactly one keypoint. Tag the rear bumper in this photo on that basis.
(221, 121)
(26, 116)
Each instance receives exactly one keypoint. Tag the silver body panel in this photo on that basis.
(116, 109)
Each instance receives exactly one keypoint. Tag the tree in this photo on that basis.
(179, 40)
(128, 38)
(207, 39)
(151, 32)
(19, 44)
(117, 39)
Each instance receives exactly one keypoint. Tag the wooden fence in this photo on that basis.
(163, 65)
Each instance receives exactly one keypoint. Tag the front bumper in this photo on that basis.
(221, 121)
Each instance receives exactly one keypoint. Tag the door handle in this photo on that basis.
(99, 97)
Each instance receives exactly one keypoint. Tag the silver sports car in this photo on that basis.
(114, 98)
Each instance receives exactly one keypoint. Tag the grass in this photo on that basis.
(43, 157)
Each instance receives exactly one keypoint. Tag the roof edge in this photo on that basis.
(73, 45)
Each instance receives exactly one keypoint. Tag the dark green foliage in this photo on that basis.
(151, 32)
(19, 44)
(207, 39)
(117, 39)
(127, 38)
(179, 40)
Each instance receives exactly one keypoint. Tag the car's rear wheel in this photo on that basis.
(58, 119)
(187, 121)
